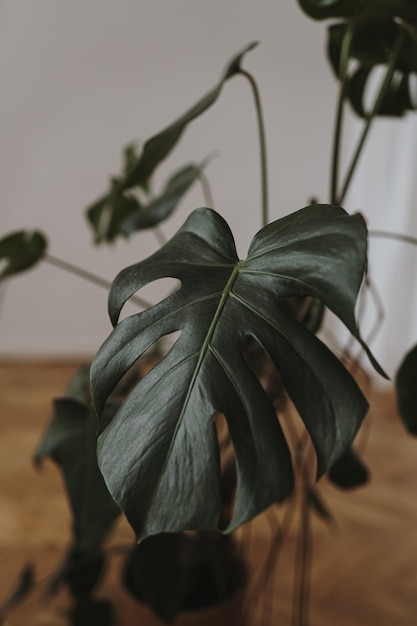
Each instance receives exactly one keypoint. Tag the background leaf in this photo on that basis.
(160, 454)
(162, 207)
(406, 389)
(355, 9)
(372, 45)
(70, 441)
(20, 251)
(116, 206)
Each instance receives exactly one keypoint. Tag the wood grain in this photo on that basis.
(364, 564)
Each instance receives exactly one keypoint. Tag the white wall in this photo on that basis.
(81, 79)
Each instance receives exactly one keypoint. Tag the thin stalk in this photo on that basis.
(370, 118)
(206, 189)
(337, 135)
(88, 276)
(395, 236)
(262, 146)
(159, 235)
(303, 560)
(277, 543)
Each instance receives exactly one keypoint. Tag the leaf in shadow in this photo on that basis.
(70, 441)
(349, 471)
(80, 570)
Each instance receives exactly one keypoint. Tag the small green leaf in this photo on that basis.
(70, 441)
(108, 213)
(406, 389)
(20, 251)
(166, 473)
(163, 206)
(159, 146)
(23, 586)
(349, 471)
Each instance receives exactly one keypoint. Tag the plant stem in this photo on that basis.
(206, 189)
(264, 575)
(262, 146)
(370, 118)
(159, 235)
(89, 276)
(337, 135)
(395, 236)
(302, 578)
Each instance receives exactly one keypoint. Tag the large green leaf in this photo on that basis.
(406, 389)
(324, 9)
(159, 455)
(19, 251)
(70, 441)
(372, 45)
(376, 27)
(355, 9)
(108, 213)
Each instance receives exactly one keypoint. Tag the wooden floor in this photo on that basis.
(364, 565)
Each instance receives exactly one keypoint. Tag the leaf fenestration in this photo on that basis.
(159, 455)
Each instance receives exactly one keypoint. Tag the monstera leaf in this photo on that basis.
(324, 9)
(159, 455)
(376, 28)
(70, 441)
(107, 214)
(19, 251)
(161, 207)
(124, 214)
(373, 43)
(406, 389)
(110, 211)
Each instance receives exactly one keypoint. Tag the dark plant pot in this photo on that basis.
(132, 612)
(183, 578)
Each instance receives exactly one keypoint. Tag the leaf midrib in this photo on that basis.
(204, 348)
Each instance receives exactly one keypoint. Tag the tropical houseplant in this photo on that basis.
(159, 448)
